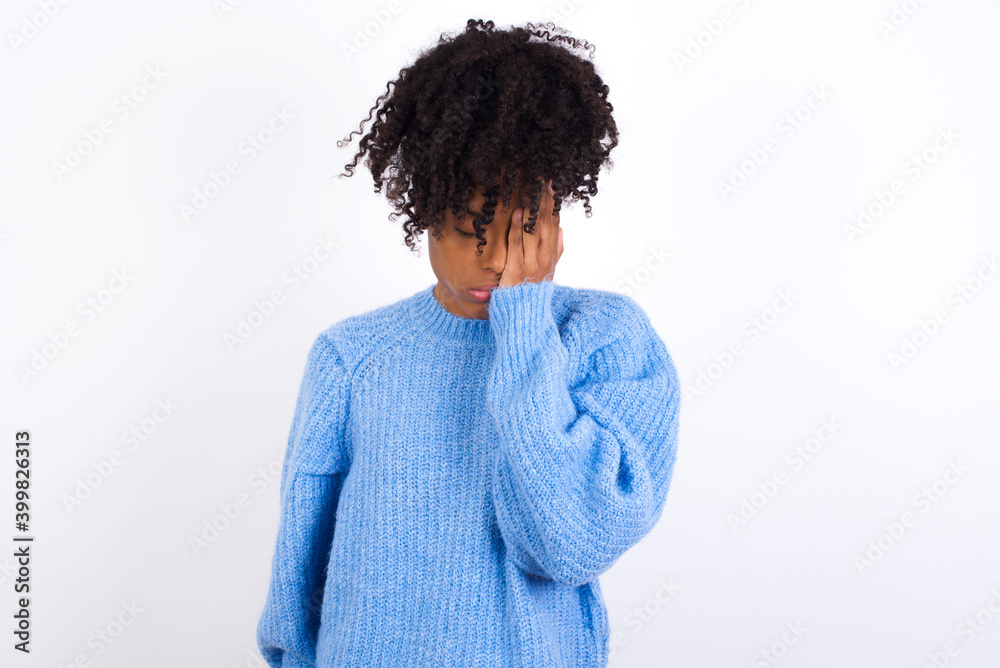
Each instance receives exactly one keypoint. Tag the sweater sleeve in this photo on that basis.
(311, 478)
(582, 471)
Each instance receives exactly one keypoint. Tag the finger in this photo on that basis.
(538, 252)
(515, 240)
(555, 216)
(550, 237)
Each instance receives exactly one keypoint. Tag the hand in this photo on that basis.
(532, 258)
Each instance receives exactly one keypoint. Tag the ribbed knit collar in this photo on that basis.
(430, 316)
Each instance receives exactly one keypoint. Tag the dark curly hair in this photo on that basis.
(479, 108)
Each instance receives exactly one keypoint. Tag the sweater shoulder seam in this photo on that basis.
(354, 361)
(613, 308)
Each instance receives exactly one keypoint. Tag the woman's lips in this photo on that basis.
(481, 293)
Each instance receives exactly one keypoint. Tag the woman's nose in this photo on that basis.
(494, 255)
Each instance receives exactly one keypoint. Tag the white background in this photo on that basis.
(684, 128)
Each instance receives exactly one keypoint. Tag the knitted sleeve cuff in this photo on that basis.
(522, 323)
(520, 308)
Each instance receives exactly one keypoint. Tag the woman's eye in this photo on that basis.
(464, 233)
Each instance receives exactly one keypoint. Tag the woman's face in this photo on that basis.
(453, 258)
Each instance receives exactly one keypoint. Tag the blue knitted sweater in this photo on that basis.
(453, 487)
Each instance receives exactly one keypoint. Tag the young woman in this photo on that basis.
(465, 462)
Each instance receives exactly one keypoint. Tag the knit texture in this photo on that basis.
(452, 487)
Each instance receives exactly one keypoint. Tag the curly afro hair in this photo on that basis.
(480, 107)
